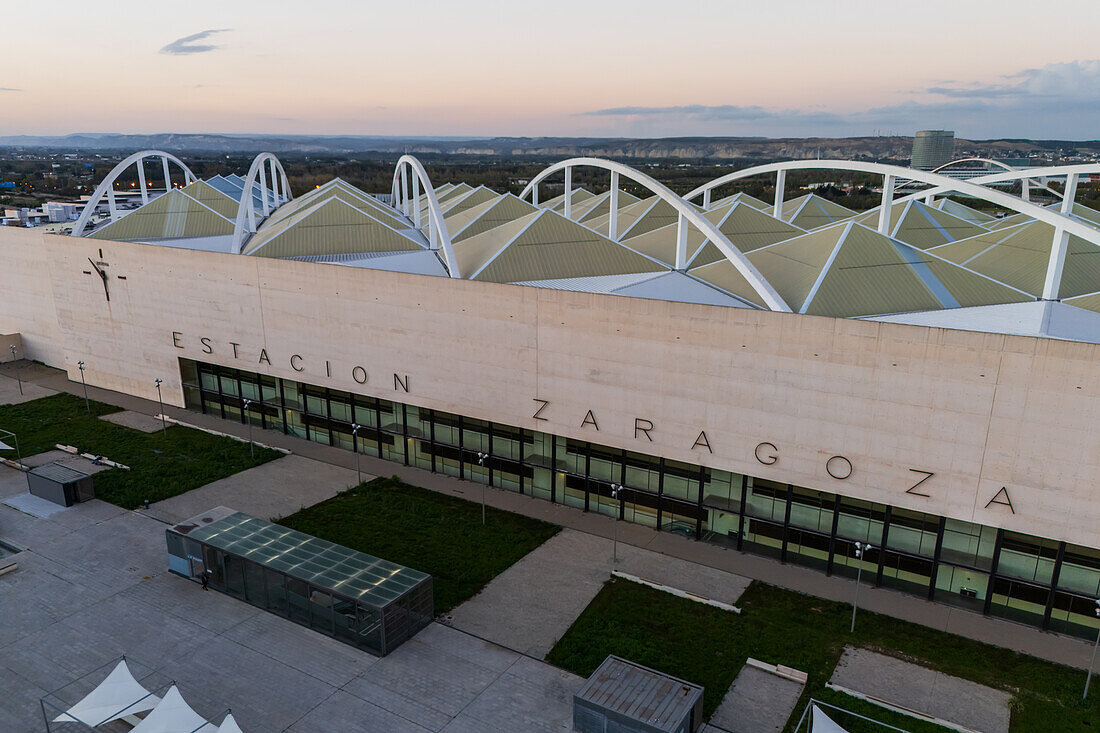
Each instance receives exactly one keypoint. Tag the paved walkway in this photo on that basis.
(532, 604)
(999, 632)
(9, 387)
(92, 585)
(910, 686)
(275, 489)
(757, 702)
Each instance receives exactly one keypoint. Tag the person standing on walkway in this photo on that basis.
(205, 580)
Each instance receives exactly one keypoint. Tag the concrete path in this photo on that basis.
(757, 702)
(532, 604)
(135, 420)
(9, 388)
(274, 489)
(910, 686)
(996, 631)
(92, 585)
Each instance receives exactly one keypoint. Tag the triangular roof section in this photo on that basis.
(1090, 301)
(175, 215)
(472, 253)
(578, 194)
(334, 226)
(740, 198)
(812, 212)
(602, 206)
(962, 211)
(921, 225)
(457, 205)
(748, 229)
(1019, 255)
(549, 246)
(659, 214)
(582, 208)
(217, 200)
(1080, 212)
(455, 191)
(1037, 318)
(488, 216)
(344, 190)
(627, 216)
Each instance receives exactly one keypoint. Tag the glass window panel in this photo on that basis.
(812, 509)
(475, 435)
(642, 472)
(1019, 601)
(1080, 570)
(321, 615)
(365, 414)
(1074, 614)
(722, 489)
(721, 527)
(860, 520)
(446, 428)
(254, 585)
(907, 573)
(768, 499)
(393, 447)
(681, 481)
(542, 483)
(540, 450)
(968, 544)
(228, 384)
(276, 591)
(209, 382)
(572, 453)
(605, 464)
(269, 390)
(250, 390)
(763, 537)
(294, 424)
(807, 548)
(1026, 557)
(189, 372)
(961, 586)
(679, 517)
(913, 532)
(507, 441)
(573, 491)
(292, 396)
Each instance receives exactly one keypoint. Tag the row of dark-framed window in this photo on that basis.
(981, 568)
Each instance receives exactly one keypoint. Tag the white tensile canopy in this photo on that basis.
(229, 725)
(822, 723)
(115, 697)
(173, 715)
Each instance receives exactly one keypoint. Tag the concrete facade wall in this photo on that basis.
(893, 403)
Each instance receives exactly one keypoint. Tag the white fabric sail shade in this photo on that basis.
(823, 724)
(174, 715)
(117, 696)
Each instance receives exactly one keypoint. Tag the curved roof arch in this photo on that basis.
(246, 211)
(938, 181)
(106, 186)
(686, 212)
(437, 228)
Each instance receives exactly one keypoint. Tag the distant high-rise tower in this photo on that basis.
(932, 148)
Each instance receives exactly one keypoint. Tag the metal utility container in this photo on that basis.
(60, 484)
(624, 697)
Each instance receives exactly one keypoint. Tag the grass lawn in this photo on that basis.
(161, 465)
(427, 531)
(708, 646)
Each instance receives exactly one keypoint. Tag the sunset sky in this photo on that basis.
(561, 67)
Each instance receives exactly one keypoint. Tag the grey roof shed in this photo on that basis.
(624, 696)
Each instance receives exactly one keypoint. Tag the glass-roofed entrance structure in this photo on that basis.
(354, 597)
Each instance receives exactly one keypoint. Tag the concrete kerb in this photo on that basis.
(676, 592)
(181, 423)
(900, 709)
(787, 673)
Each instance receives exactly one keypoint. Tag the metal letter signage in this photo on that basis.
(294, 364)
(768, 459)
(1007, 501)
(912, 489)
(589, 419)
(839, 467)
(702, 441)
(542, 406)
(642, 426)
(359, 374)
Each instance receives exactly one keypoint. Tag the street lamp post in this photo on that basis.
(1088, 678)
(355, 449)
(160, 400)
(481, 458)
(248, 417)
(86, 406)
(615, 489)
(18, 378)
(860, 549)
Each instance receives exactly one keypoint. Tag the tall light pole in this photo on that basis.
(1088, 678)
(17, 377)
(860, 549)
(615, 489)
(355, 449)
(481, 458)
(248, 417)
(163, 420)
(86, 407)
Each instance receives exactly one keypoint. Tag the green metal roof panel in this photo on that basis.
(497, 213)
(324, 564)
(175, 215)
(333, 227)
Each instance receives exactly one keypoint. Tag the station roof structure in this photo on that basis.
(939, 262)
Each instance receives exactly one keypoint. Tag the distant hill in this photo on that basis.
(684, 148)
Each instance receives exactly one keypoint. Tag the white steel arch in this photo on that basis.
(106, 186)
(438, 237)
(271, 196)
(687, 213)
(1025, 180)
(1063, 224)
